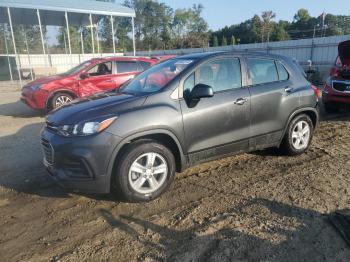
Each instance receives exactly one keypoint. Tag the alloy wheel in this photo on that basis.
(301, 135)
(62, 100)
(148, 173)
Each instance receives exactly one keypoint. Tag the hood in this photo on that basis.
(89, 108)
(45, 80)
(344, 52)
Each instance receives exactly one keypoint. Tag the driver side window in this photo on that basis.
(101, 69)
(221, 74)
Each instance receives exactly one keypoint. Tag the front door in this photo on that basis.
(98, 79)
(218, 125)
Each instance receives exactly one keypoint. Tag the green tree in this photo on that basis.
(337, 24)
(224, 41)
(215, 41)
(22, 32)
(303, 25)
(267, 24)
(233, 40)
(279, 32)
(152, 23)
(302, 15)
(189, 28)
(74, 39)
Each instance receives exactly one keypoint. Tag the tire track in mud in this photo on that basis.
(202, 201)
(280, 172)
(241, 183)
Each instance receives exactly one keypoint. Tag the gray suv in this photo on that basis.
(182, 112)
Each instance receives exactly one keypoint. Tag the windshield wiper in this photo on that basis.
(127, 93)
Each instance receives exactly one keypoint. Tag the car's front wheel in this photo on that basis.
(61, 99)
(298, 136)
(144, 171)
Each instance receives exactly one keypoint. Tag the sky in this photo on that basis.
(219, 13)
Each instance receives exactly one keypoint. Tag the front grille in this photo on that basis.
(48, 152)
(341, 86)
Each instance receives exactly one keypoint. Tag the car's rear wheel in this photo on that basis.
(299, 135)
(331, 108)
(61, 99)
(144, 171)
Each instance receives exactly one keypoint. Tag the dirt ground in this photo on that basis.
(251, 207)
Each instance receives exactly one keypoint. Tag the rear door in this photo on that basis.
(218, 125)
(125, 70)
(273, 99)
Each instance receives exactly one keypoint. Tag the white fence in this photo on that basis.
(321, 51)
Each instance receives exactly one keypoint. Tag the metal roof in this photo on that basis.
(51, 11)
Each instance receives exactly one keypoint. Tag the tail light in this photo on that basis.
(317, 92)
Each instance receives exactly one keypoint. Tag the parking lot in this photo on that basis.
(258, 206)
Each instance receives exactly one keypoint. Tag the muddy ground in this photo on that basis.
(252, 207)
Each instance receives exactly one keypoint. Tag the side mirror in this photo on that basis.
(84, 75)
(201, 91)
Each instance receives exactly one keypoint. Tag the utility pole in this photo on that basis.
(314, 32)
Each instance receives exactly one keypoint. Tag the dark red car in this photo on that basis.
(86, 79)
(336, 94)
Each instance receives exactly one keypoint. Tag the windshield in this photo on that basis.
(157, 77)
(76, 69)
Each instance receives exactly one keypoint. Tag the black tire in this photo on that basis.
(331, 108)
(54, 101)
(287, 146)
(121, 183)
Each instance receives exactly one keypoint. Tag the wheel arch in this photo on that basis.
(57, 91)
(162, 136)
(310, 111)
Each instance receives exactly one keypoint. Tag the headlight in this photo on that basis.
(85, 128)
(35, 87)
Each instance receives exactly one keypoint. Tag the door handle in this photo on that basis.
(289, 89)
(109, 81)
(241, 101)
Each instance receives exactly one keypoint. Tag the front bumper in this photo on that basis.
(34, 99)
(336, 98)
(80, 163)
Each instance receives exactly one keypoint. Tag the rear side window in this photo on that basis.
(262, 71)
(126, 67)
(144, 65)
(300, 68)
(282, 72)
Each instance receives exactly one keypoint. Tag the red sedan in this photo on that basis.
(88, 78)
